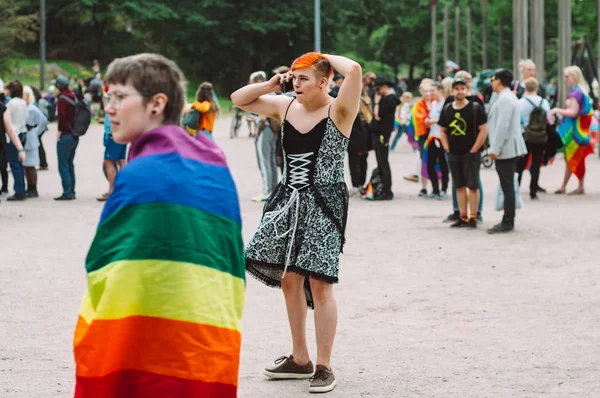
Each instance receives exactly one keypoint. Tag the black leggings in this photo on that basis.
(358, 168)
(434, 155)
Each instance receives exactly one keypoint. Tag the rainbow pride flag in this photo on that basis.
(162, 313)
(575, 133)
(424, 163)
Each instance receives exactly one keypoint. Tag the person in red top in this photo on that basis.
(67, 143)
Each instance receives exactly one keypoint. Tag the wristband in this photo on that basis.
(21, 150)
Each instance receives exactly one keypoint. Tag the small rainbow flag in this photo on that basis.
(575, 134)
(162, 313)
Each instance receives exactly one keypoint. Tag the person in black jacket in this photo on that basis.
(384, 109)
(360, 145)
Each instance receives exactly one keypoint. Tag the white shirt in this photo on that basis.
(17, 107)
(435, 110)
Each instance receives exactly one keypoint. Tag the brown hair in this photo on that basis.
(151, 74)
(36, 93)
(365, 106)
(205, 93)
(15, 88)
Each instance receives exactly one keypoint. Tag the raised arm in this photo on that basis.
(345, 107)
(255, 98)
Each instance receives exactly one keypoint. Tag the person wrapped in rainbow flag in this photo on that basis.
(166, 269)
(574, 129)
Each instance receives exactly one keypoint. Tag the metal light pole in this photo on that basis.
(434, 38)
(42, 44)
(318, 25)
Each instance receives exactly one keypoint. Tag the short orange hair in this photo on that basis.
(314, 60)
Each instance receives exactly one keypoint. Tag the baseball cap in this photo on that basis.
(458, 81)
(62, 82)
(383, 81)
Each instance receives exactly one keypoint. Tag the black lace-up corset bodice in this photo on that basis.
(301, 152)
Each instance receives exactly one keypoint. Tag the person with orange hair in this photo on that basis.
(301, 234)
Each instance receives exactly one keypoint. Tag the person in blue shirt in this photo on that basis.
(114, 158)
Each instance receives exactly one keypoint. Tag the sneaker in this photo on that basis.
(541, 190)
(103, 198)
(65, 197)
(260, 198)
(535, 197)
(43, 168)
(3, 190)
(354, 192)
(322, 381)
(385, 196)
(443, 195)
(479, 217)
(32, 194)
(285, 368)
(16, 198)
(460, 223)
(500, 228)
(471, 224)
(433, 196)
(412, 178)
(452, 217)
(423, 193)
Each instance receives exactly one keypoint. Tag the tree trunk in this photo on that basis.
(98, 32)
(411, 71)
(484, 34)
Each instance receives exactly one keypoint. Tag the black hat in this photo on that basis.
(383, 81)
(337, 76)
(505, 77)
(458, 81)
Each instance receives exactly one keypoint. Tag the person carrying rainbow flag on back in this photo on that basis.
(574, 129)
(166, 269)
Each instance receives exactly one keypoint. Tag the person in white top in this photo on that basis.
(530, 101)
(435, 153)
(16, 109)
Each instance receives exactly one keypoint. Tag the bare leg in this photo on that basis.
(295, 301)
(462, 201)
(111, 173)
(473, 200)
(563, 187)
(424, 182)
(122, 163)
(325, 320)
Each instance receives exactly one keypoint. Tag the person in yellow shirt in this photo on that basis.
(208, 107)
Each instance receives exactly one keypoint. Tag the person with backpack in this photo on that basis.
(66, 141)
(203, 111)
(534, 122)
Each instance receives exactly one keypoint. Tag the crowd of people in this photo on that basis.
(450, 128)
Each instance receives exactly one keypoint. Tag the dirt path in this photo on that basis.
(424, 311)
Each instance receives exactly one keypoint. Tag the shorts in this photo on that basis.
(114, 151)
(465, 169)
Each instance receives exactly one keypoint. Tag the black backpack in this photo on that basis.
(535, 132)
(83, 116)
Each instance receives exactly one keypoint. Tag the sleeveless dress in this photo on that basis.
(304, 220)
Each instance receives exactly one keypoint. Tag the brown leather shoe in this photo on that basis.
(322, 381)
(285, 368)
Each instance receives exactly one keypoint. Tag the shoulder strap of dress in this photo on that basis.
(288, 108)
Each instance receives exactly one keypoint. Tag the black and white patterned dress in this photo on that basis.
(303, 223)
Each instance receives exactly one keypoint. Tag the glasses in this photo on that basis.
(117, 98)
